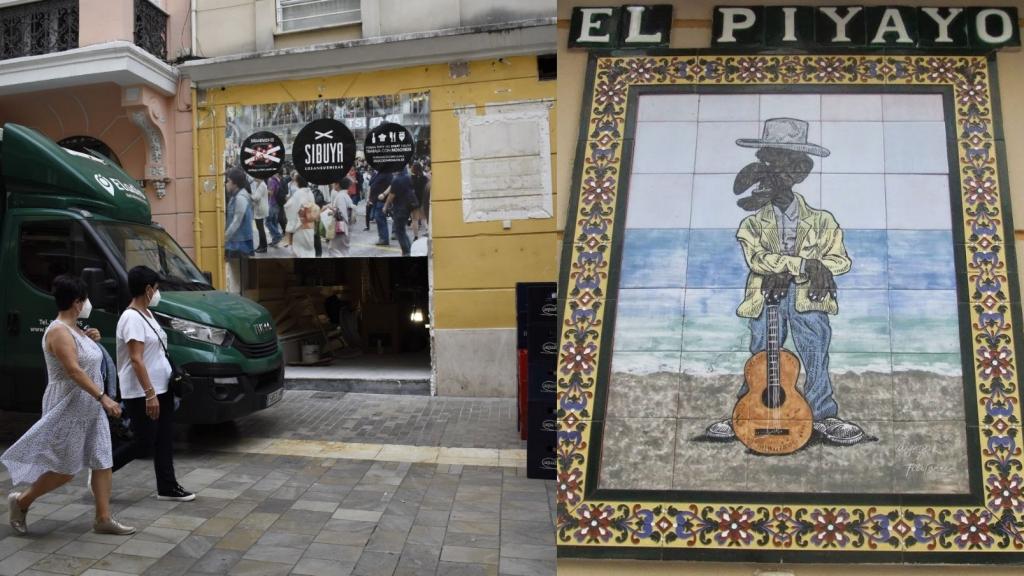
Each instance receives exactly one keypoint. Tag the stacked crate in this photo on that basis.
(537, 323)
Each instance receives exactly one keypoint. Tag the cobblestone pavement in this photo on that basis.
(390, 419)
(295, 513)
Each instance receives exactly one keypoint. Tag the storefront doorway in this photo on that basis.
(348, 324)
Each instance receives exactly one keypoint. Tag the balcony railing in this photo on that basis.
(151, 28)
(38, 28)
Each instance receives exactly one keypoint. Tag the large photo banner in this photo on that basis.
(328, 178)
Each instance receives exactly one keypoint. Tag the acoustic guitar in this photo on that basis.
(773, 417)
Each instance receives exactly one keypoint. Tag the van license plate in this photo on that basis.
(274, 397)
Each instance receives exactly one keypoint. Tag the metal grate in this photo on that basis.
(262, 350)
(305, 14)
(151, 28)
(38, 28)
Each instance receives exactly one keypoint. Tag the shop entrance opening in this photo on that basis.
(348, 324)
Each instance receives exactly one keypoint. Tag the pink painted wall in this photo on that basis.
(102, 21)
(97, 111)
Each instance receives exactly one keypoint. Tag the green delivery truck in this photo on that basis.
(70, 212)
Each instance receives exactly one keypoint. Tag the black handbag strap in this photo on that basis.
(157, 334)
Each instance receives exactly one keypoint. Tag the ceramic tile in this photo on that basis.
(856, 200)
(715, 260)
(711, 323)
(654, 258)
(916, 148)
(714, 204)
(664, 147)
(917, 202)
(799, 472)
(803, 106)
(862, 385)
(668, 108)
(728, 107)
(862, 468)
(649, 320)
(928, 387)
(717, 151)
(855, 148)
(811, 187)
(925, 321)
(703, 465)
(643, 385)
(930, 458)
(637, 453)
(813, 137)
(645, 363)
(851, 107)
(921, 260)
(912, 107)
(710, 383)
(868, 251)
(659, 201)
(862, 324)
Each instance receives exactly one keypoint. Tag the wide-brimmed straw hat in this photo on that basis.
(784, 133)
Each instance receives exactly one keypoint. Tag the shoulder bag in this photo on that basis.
(180, 382)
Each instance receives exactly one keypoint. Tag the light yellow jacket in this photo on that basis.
(818, 237)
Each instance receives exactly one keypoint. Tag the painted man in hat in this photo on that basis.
(794, 252)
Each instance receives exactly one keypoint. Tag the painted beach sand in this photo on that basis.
(915, 412)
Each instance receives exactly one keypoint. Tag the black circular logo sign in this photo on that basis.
(262, 154)
(389, 147)
(323, 151)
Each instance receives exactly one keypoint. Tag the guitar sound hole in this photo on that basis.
(773, 396)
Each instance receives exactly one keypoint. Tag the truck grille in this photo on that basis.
(262, 350)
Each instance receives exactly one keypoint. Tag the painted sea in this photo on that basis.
(679, 291)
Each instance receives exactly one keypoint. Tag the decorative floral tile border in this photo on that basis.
(981, 532)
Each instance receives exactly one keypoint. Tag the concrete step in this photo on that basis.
(412, 386)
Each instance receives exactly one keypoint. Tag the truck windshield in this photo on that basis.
(138, 245)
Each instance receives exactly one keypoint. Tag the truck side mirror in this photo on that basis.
(209, 277)
(102, 292)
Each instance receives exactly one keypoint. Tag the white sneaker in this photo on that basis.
(16, 515)
(112, 526)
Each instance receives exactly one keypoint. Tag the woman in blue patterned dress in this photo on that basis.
(72, 432)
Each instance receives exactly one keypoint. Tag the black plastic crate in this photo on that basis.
(538, 301)
(540, 443)
(542, 384)
(542, 345)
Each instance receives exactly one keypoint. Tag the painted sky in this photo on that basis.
(682, 270)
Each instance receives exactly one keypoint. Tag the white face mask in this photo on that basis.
(86, 309)
(155, 300)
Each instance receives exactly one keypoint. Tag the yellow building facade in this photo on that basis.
(474, 264)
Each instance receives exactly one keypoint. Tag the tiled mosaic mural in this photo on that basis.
(680, 347)
(828, 230)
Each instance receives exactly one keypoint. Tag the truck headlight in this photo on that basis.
(200, 332)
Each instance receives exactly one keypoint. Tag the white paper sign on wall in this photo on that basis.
(506, 162)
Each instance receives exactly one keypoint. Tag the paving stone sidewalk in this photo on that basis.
(270, 514)
(389, 419)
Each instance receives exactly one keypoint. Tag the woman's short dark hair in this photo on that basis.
(140, 278)
(300, 181)
(68, 289)
(237, 177)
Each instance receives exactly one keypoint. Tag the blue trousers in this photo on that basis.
(812, 335)
(274, 224)
(382, 223)
(398, 223)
